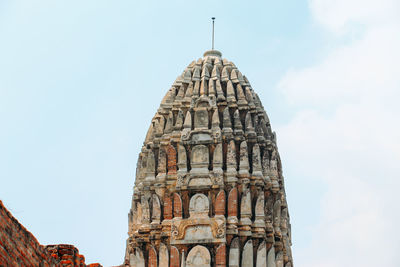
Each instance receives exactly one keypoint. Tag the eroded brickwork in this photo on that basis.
(18, 247)
(209, 189)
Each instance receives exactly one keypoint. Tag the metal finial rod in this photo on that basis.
(213, 18)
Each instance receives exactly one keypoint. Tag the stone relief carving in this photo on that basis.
(198, 256)
(199, 206)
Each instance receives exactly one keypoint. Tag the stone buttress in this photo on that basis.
(209, 189)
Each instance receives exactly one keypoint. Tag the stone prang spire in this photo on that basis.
(209, 189)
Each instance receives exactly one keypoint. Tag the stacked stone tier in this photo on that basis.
(209, 189)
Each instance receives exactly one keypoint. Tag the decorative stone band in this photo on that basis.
(199, 230)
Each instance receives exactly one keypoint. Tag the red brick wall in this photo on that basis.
(171, 158)
(174, 258)
(168, 208)
(152, 257)
(220, 203)
(220, 258)
(18, 247)
(233, 202)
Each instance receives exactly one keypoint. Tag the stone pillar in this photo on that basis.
(234, 253)
(163, 256)
(156, 210)
(177, 206)
(261, 255)
(247, 254)
(150, 166)
(231, 164)
(232, 211)
(245, 211)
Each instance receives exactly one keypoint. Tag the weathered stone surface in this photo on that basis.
(212, 148)
(227, 120)
(188, 121)
(201, 119)
(244, 160)
(198, 256)
(218, 159)
(179, 120)
(200, 156)
(163, 256)
(245, 207)
(215, 119)
(169, 124)
(18, 247)
(271, 258)
(137, 258)
(145, 210)
(162, 164)
(220, 203)
(259, 211)
(199, 206)
(174, 259)
(150, 166)
(152, 261)
(156, 209)
(171, 157)
(230, 93)
(233, 203)
(231, 163)
(279, 259)
(261, 255)
(234, 253)
(257, 167)
(220, 257)
(247, 254)
(167, 208)
(177, 206)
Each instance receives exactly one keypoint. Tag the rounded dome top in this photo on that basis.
(211, 103)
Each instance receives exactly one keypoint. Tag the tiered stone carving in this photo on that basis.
(209, 189)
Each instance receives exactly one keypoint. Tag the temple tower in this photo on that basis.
(209, 190)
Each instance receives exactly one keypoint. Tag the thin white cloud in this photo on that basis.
(348, 136)
(339, 16)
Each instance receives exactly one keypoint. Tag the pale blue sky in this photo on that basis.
(81, 80)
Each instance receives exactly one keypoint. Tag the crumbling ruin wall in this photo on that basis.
(18, 247)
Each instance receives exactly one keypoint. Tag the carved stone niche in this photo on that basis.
(199, 206)
(201, 134)
(199, 227)
(198, 256)
(201, 118)
(199, 174)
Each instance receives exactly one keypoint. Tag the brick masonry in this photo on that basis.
(18, 247)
